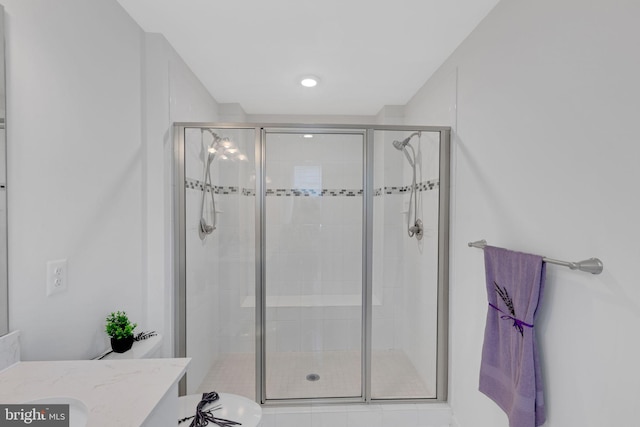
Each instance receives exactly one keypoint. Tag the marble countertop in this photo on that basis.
(116, 392)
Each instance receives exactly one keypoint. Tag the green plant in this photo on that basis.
(119, 326)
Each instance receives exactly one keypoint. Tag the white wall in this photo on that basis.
(84, 184)
(75, 171)
(545, 152)
(300, 118)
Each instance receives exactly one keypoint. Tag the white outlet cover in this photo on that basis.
(56, 276)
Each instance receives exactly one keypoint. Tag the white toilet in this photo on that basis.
(233, 407)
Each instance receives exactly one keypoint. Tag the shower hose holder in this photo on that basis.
(417, 230)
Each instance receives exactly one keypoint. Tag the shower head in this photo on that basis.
(212, 148)
(220, 146)
(402, 146)
(399, 145)
(415, 227)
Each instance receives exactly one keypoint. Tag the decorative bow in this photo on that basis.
(504, 295)
(202, 418)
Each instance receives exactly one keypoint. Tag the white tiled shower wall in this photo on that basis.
(314, 243)
(405, 272)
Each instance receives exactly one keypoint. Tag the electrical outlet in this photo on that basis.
(56, 276)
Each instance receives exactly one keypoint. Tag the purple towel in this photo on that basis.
(510, 369)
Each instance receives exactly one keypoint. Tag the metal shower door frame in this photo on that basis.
(367, 131)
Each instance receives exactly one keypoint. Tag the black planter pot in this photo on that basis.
(121, 345)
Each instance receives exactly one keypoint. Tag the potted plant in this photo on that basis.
(120, 330)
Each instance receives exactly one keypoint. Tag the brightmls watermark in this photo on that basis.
(34, 415)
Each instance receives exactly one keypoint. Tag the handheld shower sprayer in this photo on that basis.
(222, 148)
(401, 144)
(210, 154)
(417, 228)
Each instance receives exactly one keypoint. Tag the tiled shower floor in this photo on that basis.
(393, 375)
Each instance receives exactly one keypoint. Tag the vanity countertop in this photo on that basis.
(116, 392)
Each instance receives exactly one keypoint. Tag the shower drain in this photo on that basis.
(313, 377)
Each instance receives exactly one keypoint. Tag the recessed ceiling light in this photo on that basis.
(307, 135)
(309, 81)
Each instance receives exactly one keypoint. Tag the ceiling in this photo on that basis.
(367, 53)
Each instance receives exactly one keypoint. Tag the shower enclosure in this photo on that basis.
(311, 262)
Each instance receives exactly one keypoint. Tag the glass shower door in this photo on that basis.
(405, 286)
(313, 264)
(219, 259)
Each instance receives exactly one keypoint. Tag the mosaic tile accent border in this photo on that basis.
(423, 186)
(194, 184)
(305, 192)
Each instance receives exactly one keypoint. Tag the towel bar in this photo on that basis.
(591, 265)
